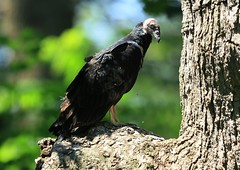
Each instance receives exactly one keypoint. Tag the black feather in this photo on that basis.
(101, 83)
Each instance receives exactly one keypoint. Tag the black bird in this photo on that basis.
(103, 80)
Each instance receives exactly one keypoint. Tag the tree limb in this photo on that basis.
(104, 147)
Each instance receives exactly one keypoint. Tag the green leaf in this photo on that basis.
(16, 147)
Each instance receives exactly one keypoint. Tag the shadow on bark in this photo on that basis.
(104, 141)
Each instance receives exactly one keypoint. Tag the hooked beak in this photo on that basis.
(156, 34)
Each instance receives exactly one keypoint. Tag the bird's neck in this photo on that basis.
(143, 39)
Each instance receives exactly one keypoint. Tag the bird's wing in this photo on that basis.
(70, 106)
(87, 100)
(101, 57)
(118, 47)
(87, 75)
(98, 86)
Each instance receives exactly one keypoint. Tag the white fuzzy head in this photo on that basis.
(152, 27)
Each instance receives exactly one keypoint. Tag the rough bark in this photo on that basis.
(103, 147)
(209, 82)
(210, 97)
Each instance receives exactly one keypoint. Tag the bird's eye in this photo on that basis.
(152, 26)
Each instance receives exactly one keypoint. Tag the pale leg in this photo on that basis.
(113, 114)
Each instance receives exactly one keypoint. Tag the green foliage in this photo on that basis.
(30, 93)
(155, 7)
(17, 147)
(65, 54)
(5, 98)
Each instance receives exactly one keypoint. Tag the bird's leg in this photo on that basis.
(113, 114)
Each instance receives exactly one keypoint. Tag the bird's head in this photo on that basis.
(152, 27)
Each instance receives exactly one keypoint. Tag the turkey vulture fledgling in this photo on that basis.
(103, 80)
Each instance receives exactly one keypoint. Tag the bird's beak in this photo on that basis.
(156, 34)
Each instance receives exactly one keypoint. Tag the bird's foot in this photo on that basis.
(113, 114)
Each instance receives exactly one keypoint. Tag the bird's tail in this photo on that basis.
(55, 128)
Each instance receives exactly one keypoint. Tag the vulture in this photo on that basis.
(103, 80)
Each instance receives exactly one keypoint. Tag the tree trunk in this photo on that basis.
(210, 97)
(210, 83)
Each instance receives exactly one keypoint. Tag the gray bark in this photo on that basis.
(209, 82)
(103, 147)
(210, 97)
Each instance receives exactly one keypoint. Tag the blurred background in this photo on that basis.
(43, 44)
